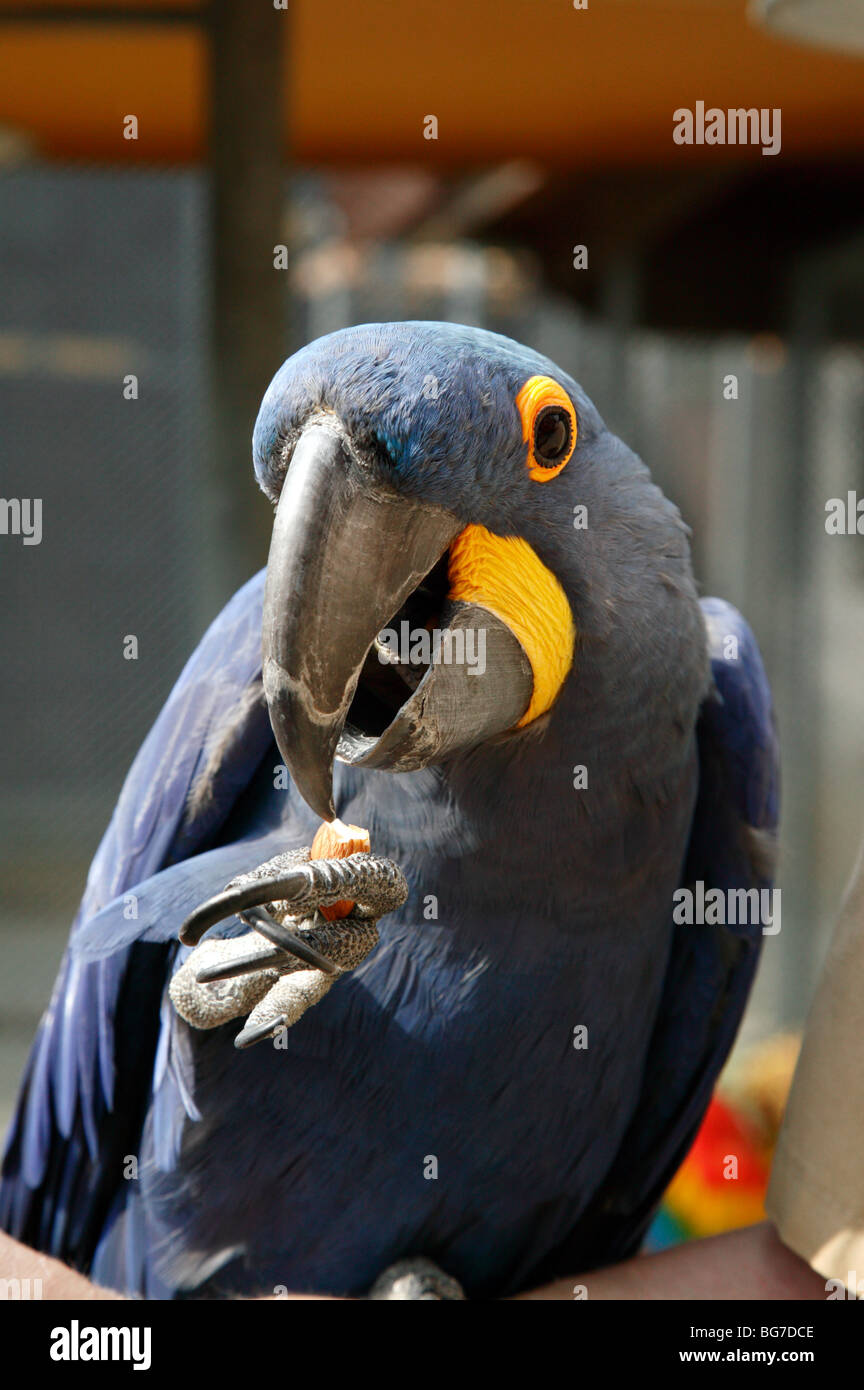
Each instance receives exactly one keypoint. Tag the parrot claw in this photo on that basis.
(247, 1036)
(280, 936)
(376, 885)
(416, 1279)
(277, 971)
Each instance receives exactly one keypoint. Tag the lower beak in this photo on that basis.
(347, 552)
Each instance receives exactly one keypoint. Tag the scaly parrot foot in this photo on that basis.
(292, 955)
(416, 1278)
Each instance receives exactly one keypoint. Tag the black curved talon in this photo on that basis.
(241, 965)
(233, 901)
(260, 919)
(249, 1036)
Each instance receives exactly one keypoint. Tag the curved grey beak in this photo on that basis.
(346, 553)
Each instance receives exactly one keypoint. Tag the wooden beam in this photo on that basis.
(248, 296)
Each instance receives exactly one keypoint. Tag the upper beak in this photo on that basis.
(346, 553)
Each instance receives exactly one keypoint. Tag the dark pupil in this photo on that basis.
(552, 436)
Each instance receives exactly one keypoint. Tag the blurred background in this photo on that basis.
(190, 191)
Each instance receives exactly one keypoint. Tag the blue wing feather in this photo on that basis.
(711, 968)
(86, 1087)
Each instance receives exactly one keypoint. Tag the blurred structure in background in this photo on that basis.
(158, 257)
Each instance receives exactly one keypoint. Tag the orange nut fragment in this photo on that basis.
(336, 840)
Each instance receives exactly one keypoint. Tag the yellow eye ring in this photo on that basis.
(548, 427)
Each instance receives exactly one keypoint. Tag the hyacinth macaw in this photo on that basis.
(508, 1082)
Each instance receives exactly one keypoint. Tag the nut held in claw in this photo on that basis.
(336, 840)
(299, 921)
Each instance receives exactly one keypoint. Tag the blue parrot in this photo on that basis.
(507, 1082)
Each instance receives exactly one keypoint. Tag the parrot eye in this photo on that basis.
(548, 426)
(552, 432)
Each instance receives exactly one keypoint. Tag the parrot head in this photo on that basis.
(453, 521)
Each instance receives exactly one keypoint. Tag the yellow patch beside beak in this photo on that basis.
(503, 574)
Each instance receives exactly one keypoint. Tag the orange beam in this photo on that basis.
(574, 88)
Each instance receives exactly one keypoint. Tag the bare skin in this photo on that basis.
(752, 1263)
(739, 1265)
(58, 1281)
